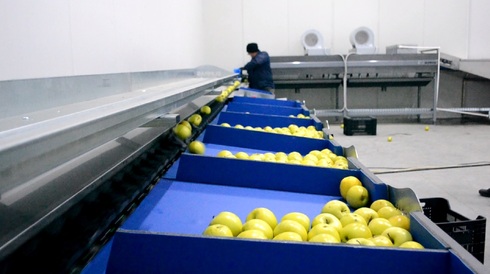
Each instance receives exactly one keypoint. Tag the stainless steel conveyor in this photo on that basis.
(61, 138)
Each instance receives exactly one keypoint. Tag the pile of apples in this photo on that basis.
(227, 91)
(301, 116)
(323, 158)
(380, 224)
(292, 129)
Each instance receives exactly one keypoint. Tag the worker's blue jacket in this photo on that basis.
(259, 72)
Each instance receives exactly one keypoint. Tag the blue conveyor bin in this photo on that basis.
(266, 109)
(261, 120)
(164, 233)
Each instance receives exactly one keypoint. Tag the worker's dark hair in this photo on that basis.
(252, 47)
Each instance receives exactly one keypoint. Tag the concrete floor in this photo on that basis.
(443, 145)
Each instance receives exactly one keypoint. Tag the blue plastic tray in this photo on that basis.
(164, 236)
(140, 252)
(261, 120)
(272, 176)
(265, 141)
(265, 101)
(266, 109)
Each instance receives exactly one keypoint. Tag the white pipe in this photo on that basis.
(464, 112)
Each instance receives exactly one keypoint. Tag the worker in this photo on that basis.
(259, 69)
(485, 192)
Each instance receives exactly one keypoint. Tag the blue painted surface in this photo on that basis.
(137, 252)
(187, 208)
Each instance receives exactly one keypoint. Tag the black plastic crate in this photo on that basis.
(468, 233)
(359, 125)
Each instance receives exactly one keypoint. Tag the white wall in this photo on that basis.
(479, 36)
(46, 38)
(457, 26)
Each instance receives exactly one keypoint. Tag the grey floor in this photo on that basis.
(443, 145)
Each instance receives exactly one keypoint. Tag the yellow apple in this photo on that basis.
(326, 151)
(336, 207)
(380, 240)
(387, 212)
(307, 162)
(355, 230)
(206, 110)
(252, 234)
(239, 126)
(341, 159)
(281, 155)
(229, 219)
(264, 214)
(258, 224)
(378, 204)
(186, 123)
(197, 147)
(299, 217)
(195, 119)
(256, 157)
(269, 157)
(323, 229)
(324, 238)
(340, 165)
(311, 157)
(357, 196)
(225, 125)
(348, 182)
(218, 230)
(412, 244)
(291, 226)
(295, 156)
(324, 163)
(350, 218)
(402, 221)
(224, 153)
(221, 98)
(367, 213)
(378, 225)
(288, 236)
(327, 218)
(182, 131)
(397, 235)
(360, 241)
(294, 162)
(241, 155)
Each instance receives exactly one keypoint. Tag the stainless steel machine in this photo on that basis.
(358, 71)
(78, 153)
